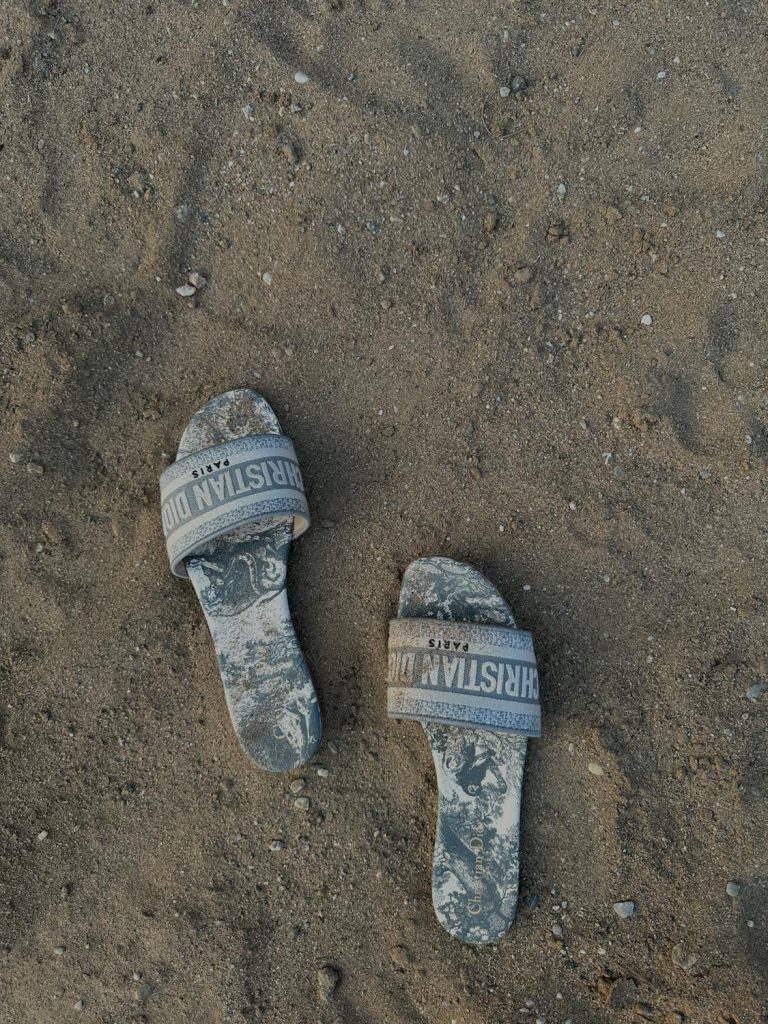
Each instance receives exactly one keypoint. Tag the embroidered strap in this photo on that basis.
(209, 494)
(463, 673)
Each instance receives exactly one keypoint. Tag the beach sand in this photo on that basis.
(526, 331)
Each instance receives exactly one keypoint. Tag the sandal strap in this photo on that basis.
(249, 480)
(465, 674)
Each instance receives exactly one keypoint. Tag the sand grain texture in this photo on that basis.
(455, 344)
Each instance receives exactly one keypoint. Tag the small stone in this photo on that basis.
(594, 768)
(720, 234)
(561, 191)
(755, 692)
(42, 836)
(16, 457)
(266, 278)
(197, 281)
(78, 1005)
(490, 223)
(613, 215)
(504, 91)
(34, 467)
(288, 148)
(328, 979)
(301, 78)
(624, 909)
(297, 785)
(557, 931)
(302, 803)
(276, 845)
(522, 275)
(646, 319)
(186, 291)
(401, 957)
(323, 773)
(519, 84)
(59, 950)
(733, 888)
(572, 506)
(683, 960)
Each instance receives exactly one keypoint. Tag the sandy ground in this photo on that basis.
(442, 291)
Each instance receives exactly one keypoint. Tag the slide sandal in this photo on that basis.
(458, 665)
(231, 504)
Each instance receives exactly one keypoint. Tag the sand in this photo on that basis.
(441, 290)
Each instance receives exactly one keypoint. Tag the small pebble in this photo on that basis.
(266, 278)
(186, 291)
(58, 950)
(504, 91)
(401, 956)
(301, 78)
(646, 319)
(594, 768)
(686, 961)
(561, 191)
(78, 1005)
(327, 982)
(557, 931)
(625, 908)
(34, 467)
(42, 836)
(733, 888)
(16, 457)
(297, 785)
(197, 281)
(755, 692)
(302, 803)
(323, 773)
(490, 223)
(519, 84)
(276, 845)
(720, 234)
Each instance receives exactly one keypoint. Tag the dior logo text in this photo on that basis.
(227, 484)
(477, 846)
(489, 676)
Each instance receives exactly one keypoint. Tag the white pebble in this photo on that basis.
(266, 278)
(16, 457)
(594, 768)
(301, 78)
(186, 290)
(719, 234)
(733, 888)
(625, 908)
(504, 91)
(646, 319)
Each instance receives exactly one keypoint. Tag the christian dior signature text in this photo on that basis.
(226, 484)
(461, 671)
